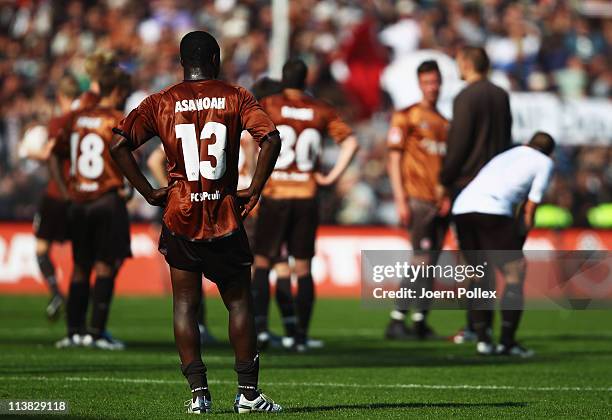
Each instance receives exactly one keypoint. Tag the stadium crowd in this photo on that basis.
(555, 46)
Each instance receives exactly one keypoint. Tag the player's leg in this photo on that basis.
(50, 224)
(186, 297)
(228, 263)
(111, 244)
(45, 265)
(512, 302)
(260, 288)
(424, 240)
(436, 229)
(497, 233)
(301, 245)
(47, 269)
(397, 328)
(102, 297)
(285, 301)
(186, 277)
(304, 301)
(239, 304)
(470, 228)
(269, 232)
(238, 301)
(466, 333)
(78, 291)
(513, 267)
(78, 299)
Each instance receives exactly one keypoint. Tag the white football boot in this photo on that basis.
(201, 405)
(485, 349)
(261, 404)
(515, 350)
(74, 340)
(105, 342)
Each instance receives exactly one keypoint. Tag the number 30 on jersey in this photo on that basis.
(303, 149)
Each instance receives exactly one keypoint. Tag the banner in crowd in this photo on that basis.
(336, 267)
(576, 122)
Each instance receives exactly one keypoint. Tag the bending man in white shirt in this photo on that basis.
(487, 219)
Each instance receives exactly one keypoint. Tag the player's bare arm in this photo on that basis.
(394, 168)
(530, 208)
(443, 200)
(268, 155)
(348, 148)
(124, 158)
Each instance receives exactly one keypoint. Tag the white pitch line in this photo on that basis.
(317, 384)
(374, 332)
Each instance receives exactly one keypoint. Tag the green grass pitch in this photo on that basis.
(357, 374)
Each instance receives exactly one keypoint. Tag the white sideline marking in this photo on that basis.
(328, 331)
(318, 384)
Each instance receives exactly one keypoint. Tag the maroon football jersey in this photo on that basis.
(54, 128)
(303, 122)
(86, 139)
(199, 123)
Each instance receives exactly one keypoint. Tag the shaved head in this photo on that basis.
(543, 142)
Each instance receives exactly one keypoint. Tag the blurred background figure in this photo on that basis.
(288, 211)
(417, 146)
(51, 219)
(486, 217)
(481, 129)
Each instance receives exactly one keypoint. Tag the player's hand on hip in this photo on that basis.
(247, 200)
(158, 197)
(323, 180)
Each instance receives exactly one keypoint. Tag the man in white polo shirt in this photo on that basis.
(485, 213)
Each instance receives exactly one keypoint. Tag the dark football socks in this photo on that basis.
(469, 321)
(76, 307)
(248, 376)
(419, 322)
(261, 298)
(195, 373)
(482, 322)
(48, 271)
(512, 309)
(284, 299)
(102, 296)
(304, 303)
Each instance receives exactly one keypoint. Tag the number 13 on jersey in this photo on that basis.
(191, 150)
